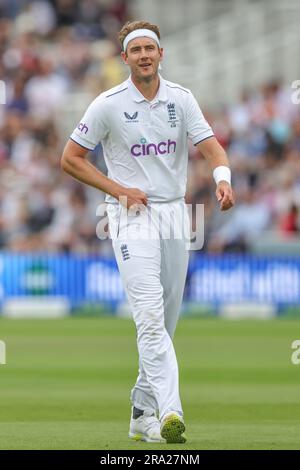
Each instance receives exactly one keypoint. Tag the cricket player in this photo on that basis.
(144, 125)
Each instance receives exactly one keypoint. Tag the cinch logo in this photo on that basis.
(83, 127)
(161, 148)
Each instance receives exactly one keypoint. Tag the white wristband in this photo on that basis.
(222, 173)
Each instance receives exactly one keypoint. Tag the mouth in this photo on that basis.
(145, 66)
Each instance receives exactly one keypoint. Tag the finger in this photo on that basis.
(226, 208)
(134, 209)
(227, 195)
(226, 205)
(225, 202)
(219, 195)
(142, 207)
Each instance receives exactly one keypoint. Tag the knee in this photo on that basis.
(152, 336)
(150, 325)
(147, 299)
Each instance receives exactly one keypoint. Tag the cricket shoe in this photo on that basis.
(145, 427)
(172, 429)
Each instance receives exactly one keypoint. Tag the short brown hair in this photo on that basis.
(133, 25)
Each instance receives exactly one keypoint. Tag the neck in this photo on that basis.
(148, 88)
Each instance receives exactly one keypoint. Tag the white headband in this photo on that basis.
(138, 33)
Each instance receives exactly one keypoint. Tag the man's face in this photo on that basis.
(143, 56)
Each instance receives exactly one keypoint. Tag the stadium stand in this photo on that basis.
(56, 56)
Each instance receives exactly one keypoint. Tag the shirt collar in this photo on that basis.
(138, 97)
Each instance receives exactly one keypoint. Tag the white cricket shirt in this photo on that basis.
(145, 144)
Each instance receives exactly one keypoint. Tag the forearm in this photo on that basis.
(213, 152)
(217, 157)
(82, 170)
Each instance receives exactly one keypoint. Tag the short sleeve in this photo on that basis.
(198, 128)
(93, 127)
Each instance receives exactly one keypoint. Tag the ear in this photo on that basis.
(124, 57)
(161, 53)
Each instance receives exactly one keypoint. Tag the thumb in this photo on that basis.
(219, 195)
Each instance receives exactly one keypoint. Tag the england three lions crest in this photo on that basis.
(172, 114)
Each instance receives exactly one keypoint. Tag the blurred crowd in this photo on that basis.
(54, 50)
(51, 51)
(261, 134)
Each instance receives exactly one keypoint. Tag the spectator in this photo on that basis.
(56, 55)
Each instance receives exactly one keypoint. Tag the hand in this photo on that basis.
(225, 195)
(133, 198)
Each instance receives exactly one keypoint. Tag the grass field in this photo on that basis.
(66, 384)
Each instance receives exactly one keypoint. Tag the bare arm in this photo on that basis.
(216, 156)
(74, 162)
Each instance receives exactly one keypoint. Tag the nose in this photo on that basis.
(144, 52)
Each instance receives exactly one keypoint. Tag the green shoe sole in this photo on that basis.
(173, 430)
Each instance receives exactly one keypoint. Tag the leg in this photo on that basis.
(175, 258)
(142, 395)
(140, 271)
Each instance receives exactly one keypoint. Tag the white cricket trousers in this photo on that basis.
(153, 268)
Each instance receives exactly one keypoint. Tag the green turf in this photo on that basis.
(67, 382)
